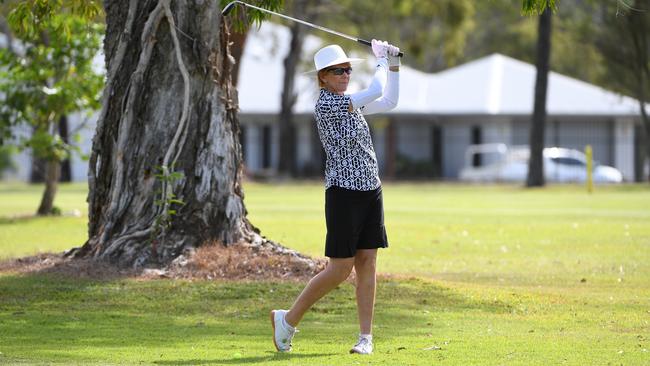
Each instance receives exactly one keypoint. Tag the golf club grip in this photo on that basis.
(363, 41)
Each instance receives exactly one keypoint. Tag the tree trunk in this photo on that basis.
(37, 173)
(645, 123)
(308, 10)
(52, 174)
(536, 163)
(66, 167)
(637, 24)
(287, 157)
(168, 106)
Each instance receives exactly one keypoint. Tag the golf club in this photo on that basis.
(232, 4)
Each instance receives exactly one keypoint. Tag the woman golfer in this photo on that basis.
(353, 198)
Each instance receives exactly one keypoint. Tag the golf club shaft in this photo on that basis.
(229, 7)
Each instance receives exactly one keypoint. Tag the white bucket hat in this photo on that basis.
(331, 55)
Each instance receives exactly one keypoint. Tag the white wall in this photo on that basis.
(624, 147)
(379, 127)
(253, 145)
(456, 136)
(303, 142)
(414, 140)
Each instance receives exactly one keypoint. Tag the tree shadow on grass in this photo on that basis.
(4, 220)
(48, 311)
(56, 266)
(270, 357)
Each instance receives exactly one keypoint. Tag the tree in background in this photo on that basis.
(623, 38)
(50, 77)
(535, 176)
(307, 10)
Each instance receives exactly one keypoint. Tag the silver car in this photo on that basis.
(498, 163)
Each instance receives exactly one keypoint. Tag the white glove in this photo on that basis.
(393, 58)
(379, 48)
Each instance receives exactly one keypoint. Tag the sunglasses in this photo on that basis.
(340, 70)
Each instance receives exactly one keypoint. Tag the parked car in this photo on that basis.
(498, 163)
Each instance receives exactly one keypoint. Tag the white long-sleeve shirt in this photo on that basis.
(351, 159)
(382, 94)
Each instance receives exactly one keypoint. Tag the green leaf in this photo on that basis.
(176, 175)
(537, 7)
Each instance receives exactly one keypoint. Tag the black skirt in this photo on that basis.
(355, 220)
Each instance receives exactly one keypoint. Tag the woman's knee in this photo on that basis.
(365, 259)
(341, 267)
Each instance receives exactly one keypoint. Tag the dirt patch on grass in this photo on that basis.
(245, 262)
(209, 262)
(56, 264)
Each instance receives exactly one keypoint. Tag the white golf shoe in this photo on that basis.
(282, 332)
(363, 346)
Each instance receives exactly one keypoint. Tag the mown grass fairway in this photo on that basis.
(493, 275)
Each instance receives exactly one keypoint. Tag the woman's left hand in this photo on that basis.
(393, 58)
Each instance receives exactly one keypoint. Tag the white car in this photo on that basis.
(498, 163)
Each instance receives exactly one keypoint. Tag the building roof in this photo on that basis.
(498, 84)
(491, 85)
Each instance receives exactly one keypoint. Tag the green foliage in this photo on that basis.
(50, 75)
(622, 38)
(575, 36)
(430, 33)
(536, 7)
(28, 16)
(242, 17)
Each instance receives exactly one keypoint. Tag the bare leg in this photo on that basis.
(365, 264)
(337, 271)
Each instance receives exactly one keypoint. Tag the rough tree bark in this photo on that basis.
(536, 162)
(168, 106)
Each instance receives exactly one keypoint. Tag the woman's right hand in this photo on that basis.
(380, 48)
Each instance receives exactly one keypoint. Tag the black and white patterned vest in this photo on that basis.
(351, 160)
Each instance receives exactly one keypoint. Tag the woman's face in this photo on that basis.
(336, 77)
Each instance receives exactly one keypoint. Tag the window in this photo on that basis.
(568, 161)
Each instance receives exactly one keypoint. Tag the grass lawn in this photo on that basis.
(493, 275)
